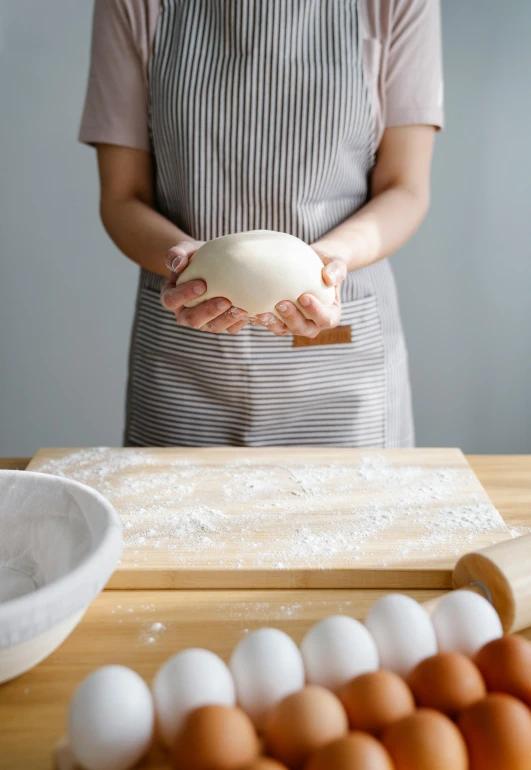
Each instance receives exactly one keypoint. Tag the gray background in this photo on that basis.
(66, 293)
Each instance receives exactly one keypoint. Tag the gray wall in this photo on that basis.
(66, 294)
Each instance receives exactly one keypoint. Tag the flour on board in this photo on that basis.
(268, 508)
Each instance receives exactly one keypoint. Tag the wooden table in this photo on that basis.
(118, 628)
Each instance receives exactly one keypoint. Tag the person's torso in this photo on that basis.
(259, 116)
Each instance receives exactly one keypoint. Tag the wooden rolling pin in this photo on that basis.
(502, 574)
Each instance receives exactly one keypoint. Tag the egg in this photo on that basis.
(265, 763)
(215, 738)
(189, 679)
(464, 622)
(403, 632)
(357, 751)
(267, 665)
(448, 682)
(374, 701)
(426, 740)
(337, 649)
(110, 719)
(506, 665)
(303, 722)
(497, 731)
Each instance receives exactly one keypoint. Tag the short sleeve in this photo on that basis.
(414, 78)
(116, 103)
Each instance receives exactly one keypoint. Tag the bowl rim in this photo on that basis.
(33, 613)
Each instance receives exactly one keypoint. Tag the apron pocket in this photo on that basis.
(327, 395)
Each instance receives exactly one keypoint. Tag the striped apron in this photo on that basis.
(260, 118)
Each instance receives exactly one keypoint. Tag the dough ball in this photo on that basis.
(257, 270)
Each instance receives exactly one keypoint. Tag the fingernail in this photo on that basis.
(334, 274)
(222, 305)
(304, 301)
(177, 263)
(236, 312)
(282, 308)
(198, 288)
(268, 319)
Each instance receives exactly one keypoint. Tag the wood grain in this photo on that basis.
(33, 707)
(14, 463)
(304, 545)
(507, 480)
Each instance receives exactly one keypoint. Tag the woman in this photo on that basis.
(311, 117)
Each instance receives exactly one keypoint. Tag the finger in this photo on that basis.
(235, 328)
(295, 321)
(274, 324)
(334, 272)
(178, 256)
(323, 316)
(225, 320)
(204, 313)
(174, 297)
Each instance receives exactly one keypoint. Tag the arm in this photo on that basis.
(148, 238)
(400, 194)
(399, 200)
(127, 211)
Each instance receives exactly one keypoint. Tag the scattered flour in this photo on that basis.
(287, 514)
(151, 632)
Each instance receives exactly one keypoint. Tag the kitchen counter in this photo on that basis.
(141, 629)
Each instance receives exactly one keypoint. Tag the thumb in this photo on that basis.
(334, 272)
(178, 257)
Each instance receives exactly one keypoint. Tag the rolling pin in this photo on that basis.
(502, 574)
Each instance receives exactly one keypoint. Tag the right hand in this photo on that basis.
(214, 315)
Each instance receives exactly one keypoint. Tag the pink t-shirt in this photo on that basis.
(401, 59)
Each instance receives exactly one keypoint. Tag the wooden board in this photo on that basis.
(115, 631)
(287, 518)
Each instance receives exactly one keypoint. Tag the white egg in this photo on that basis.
(337, 649)
(188, 680)
(110, 719)
(464, 622)
(403, 632)
(267, 665)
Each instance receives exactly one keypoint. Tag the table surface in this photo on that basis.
(340, 518)
(142, 629)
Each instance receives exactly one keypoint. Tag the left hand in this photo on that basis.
(320, 316)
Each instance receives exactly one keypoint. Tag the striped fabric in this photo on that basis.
(260, 119)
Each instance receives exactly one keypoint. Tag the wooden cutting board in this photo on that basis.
(287, 517)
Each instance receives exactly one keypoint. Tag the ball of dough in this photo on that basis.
(257, 270)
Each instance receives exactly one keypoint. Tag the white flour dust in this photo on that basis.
(150, 631)
(248, 514)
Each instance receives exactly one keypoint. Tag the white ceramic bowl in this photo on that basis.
(60, 542)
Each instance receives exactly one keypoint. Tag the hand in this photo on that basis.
(214, 315)
(320, 316)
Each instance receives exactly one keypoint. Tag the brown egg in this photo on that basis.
(506, 666)
(375, 700)
(497, 731)
(448, 682)
(426, 740)
(265, 763)
(357, 751)
(216, 738)
(303, 722)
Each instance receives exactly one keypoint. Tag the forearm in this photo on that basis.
(140, 232)
(378, 229)
(400, 192)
